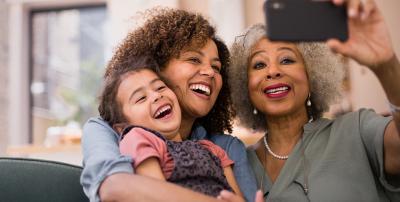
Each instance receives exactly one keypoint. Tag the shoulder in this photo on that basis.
(96, 130)
(211, 146)
(361, 117)
(233, 146)
(227, 141)
(140, 134)
(97, 123)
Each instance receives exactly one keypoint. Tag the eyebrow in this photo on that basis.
(202, 54)
(255, 53)
(279, 49)
(141, 88)
(286, 48)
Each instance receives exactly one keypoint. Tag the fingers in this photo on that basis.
(338, 2)
(226, 194)
(338, 47)
(353, 8)
(357, 8)
(259, 196)
(367, 9)
(229, 196)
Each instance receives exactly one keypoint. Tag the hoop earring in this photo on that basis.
(309, 109)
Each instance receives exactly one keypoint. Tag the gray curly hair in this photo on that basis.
(324, 69)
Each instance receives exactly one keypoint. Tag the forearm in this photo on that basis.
(129, 187)
(389, 76)
(101, 156)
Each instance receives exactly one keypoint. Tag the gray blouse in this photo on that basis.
(342, 161)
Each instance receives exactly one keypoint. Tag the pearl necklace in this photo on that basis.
(271, 152)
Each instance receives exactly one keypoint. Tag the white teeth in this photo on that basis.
(163, 109)
(277, 90)
(202, 88)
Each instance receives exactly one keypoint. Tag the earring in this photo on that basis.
(255, 112)
(309, 100)
(311, 118)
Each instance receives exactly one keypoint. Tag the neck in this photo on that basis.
(186, 126)
(285, 131)
(177, 138)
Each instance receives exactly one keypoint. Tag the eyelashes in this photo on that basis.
(198, 61)
(140, 99)
(158, 89)
(284, 61)
(259, 65)
(287, 61)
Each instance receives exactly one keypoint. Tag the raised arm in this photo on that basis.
(370, 45)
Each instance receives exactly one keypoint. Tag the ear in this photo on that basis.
(119, 127)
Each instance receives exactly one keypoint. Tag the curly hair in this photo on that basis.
(110, 109)
(324, 70)
(164, 35)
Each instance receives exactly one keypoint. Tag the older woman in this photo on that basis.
(304, 157)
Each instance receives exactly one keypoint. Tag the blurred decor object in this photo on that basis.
(69, 134)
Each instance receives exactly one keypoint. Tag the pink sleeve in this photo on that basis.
(218, 152)
(141, 145)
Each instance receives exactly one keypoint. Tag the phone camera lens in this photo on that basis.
(277, 5)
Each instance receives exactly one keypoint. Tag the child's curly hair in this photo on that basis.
(165, 34)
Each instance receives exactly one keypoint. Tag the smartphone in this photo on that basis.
(305, 20)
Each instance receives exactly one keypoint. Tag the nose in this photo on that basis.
(274, 72)
(157, 97)
(207, 70)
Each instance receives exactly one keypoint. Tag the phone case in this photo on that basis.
(305, 20)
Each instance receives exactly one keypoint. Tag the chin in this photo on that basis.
(278, 112)
(169, 128)
(200, 111)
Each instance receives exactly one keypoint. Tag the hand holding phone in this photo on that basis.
(305, 20)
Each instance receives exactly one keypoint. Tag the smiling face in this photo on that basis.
(146, 101)
(194, 77)
(278, 83)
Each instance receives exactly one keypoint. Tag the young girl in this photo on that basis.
(148, 120)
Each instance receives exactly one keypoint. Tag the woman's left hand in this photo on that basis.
(369, 41)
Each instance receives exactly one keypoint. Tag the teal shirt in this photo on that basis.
(343, 162)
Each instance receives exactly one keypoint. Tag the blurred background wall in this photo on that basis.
(3, 76)
(53, 53)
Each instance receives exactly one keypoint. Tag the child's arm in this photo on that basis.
(150, 168)
(147, 151)
(232, 181)
(226, 164)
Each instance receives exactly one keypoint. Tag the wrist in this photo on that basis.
(387, 66)
(393, 108)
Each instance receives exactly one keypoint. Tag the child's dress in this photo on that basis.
(197, 165)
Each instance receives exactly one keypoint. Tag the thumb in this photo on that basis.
(338, 47)
(259, 196)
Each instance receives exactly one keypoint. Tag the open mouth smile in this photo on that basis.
(277, 90)
(201, 89)
(163, 111)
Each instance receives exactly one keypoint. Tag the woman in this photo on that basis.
(304, 157)
(193, 63)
